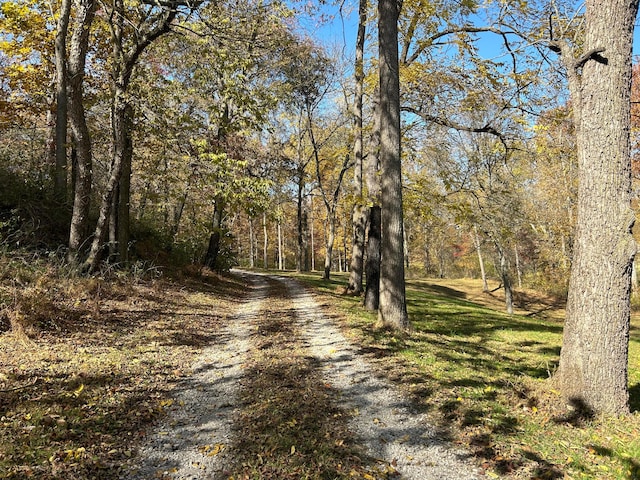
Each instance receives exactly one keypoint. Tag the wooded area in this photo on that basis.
(493, 141)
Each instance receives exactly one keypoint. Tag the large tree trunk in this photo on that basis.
(393, 308)
(359, 218)
(372, 180)
(593, 362)
(83, 159)
(359, 222)
(372, 264)
(60, 48)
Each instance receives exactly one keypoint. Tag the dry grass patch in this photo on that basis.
(94, 366)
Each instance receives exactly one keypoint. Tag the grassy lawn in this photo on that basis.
(486, 375)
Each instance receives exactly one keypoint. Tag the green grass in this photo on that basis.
(486, 375)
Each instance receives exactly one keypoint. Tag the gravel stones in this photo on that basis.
(195, 440)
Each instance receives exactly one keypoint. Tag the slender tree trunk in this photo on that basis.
(252, 244)
(113, 227)
(483, 273)
(52, 112)
(405, 247)
(359, 217)
(302, 261)
(124, 191)
(329, 244)
(594, 358)
(518, 266)
(265, 245)
(119, 218)
(372, 264)
(305, 241)
(83, 158)
(441, 260)
(372, 180)
(112, 184)
(179, 212)
(60, 48)
(345, 250)
(280, 247)
(313, 238)
(393, 308)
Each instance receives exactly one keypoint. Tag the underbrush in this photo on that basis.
(487, 376)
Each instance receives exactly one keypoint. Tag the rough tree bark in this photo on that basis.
(60, 48)
(83, 159)
(393, 309)
(359, 216)
(372, 181)
(372, 291)
(593, 362)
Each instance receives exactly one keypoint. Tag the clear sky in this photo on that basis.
(335, 26)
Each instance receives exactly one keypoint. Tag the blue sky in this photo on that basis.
(334, 29)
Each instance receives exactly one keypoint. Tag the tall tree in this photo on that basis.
(393, 308)
(594, 356)
(359, 215)
(155, 22)
(85, 10)
(60, 170)
(372, 181)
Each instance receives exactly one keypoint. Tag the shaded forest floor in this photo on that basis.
(90, 364)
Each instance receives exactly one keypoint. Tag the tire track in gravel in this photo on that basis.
(383, 419)
(193, 441)
(200, 436)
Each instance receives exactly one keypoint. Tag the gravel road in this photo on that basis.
(195, 439)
